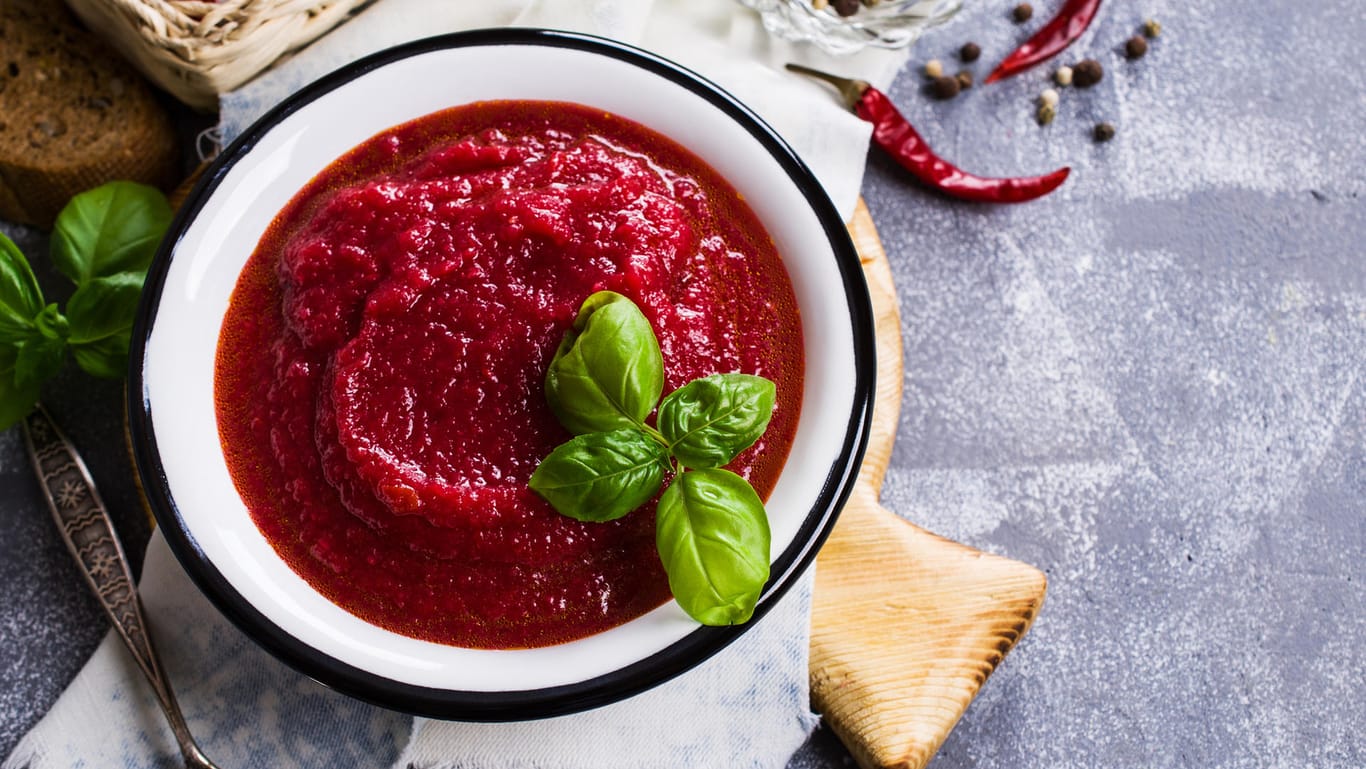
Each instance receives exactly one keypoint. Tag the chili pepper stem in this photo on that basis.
(851, 90)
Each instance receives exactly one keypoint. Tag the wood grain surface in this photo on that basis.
(906, 625)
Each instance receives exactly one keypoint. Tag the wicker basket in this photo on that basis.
(197, 50)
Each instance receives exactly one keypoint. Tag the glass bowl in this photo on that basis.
(885, 24)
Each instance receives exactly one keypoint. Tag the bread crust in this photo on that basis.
(73, 115)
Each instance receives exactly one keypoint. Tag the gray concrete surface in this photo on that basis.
(1149, 384)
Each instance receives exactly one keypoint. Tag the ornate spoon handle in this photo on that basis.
(89, 534)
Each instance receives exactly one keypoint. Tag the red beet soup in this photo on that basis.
(380, 373)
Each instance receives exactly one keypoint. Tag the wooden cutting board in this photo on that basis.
(906, 625)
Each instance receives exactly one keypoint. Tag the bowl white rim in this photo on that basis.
(679, 656)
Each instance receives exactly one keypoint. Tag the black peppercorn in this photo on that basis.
(1103, 132)
(845, 7)
(970, 52)
(945, 87)
(1087, 73)
(1022, 13)
(1135, 47)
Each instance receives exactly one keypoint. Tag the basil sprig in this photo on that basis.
(710, 527)
(104, 240)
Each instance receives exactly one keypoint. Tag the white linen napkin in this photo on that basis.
(745, 707)
(718, 39)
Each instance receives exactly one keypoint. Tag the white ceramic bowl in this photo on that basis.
(173, 419)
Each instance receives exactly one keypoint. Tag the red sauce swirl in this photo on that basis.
(380, 372)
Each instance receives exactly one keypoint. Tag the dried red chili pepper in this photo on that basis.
(1060, 31)
(896, 136)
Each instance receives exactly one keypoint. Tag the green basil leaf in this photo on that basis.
(113, 228)
(104, 307)
(20, 297)
(39, 359)
(713, 538)
(106, 358)
(52, 324)
(710, 420)
(15, 400)
(602, 476)
(608, 372)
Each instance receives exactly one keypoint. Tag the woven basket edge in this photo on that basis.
(131, 26)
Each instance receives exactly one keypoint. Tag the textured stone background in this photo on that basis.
(1149, 384)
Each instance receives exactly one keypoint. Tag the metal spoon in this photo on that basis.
(89, 534)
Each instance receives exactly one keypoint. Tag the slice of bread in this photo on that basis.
(73, 115)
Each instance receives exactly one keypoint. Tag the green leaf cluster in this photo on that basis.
(710, 526)
(104, 241)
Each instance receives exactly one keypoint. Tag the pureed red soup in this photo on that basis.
(380, 372)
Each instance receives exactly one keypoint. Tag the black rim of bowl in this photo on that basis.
(678, 657)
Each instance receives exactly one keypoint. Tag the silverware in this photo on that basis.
(89, 534)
